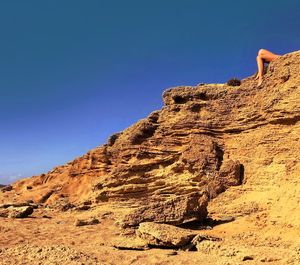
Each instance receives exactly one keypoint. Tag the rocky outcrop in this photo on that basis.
(4, 188)
(164, 235)
(205, 139)
(16, 212)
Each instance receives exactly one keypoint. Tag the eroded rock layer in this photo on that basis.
(204, 139)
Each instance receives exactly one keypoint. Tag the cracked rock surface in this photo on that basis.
(212, 150)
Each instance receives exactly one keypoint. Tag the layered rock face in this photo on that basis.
(205, 139)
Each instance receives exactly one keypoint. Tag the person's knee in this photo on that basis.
(261, 52)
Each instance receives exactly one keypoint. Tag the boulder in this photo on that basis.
(165, 235)
(16, 212)
(178, 210)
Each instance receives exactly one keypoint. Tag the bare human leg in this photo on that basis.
(262, 57)
(260, 66)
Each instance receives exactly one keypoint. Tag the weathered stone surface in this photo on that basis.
(164, 234)
(231, 173)
(5, 188)
(194, 244)
(16, 212)
(176, 211)
(19, 204)
(92, 221)
(205, 139)
(132, 243)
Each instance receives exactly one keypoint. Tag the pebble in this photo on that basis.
(247, 258)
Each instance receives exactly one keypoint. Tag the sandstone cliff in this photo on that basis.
(173, 166)
(204, 139)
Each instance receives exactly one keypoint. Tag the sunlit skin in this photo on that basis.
(263, 56)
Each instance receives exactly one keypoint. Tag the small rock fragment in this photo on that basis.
(193, 245)
(5, 188)
(67, 207)
(105, 215)
(225, 219)
(172, 253)
(93, 221)
(244, 258)
(83, 208)
(130, 243)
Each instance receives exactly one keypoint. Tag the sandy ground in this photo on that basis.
(252, 238)
(265, 230)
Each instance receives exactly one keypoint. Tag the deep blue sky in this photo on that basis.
(74, 72)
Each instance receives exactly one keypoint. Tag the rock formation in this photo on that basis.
(4, 188)
(168, 166)
(21, 210)
(230, 152)
(165, 235)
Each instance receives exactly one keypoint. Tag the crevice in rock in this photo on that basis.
(153, 117)
(112, 139)
(46, 196)
(195, 107)
(202, 96)
(164, 247)
(179, 99)
(220, 155)
(147, 130)
(242, 173)
(131, 248)
(286, 121)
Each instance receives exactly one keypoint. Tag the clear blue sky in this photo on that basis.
(74, 72)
